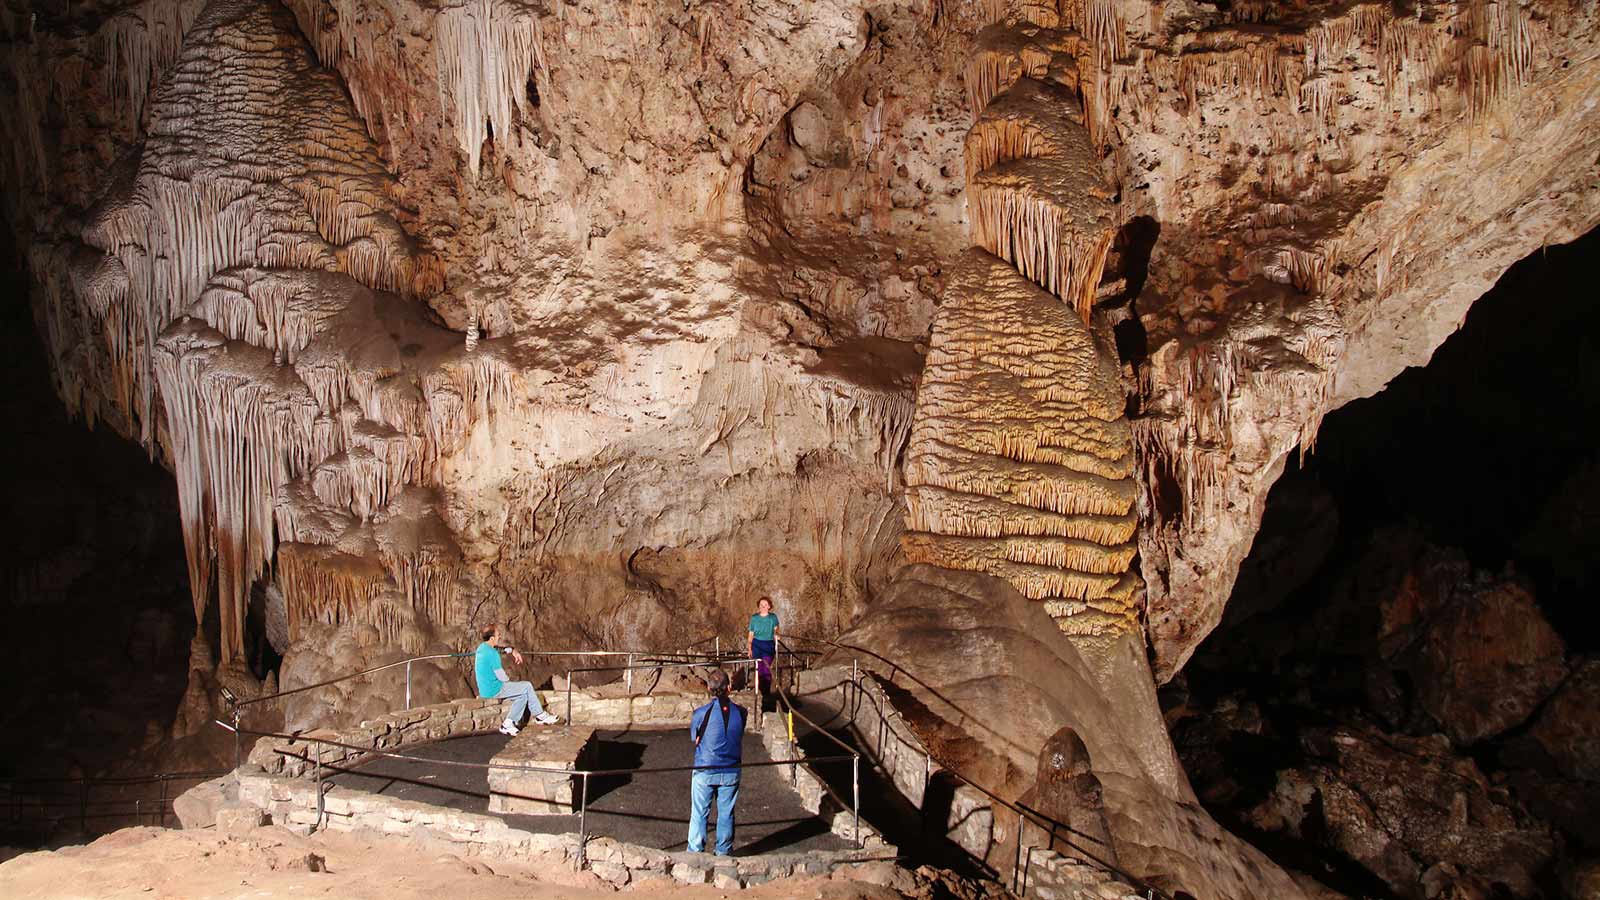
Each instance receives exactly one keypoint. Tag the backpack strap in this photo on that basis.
(701, 731)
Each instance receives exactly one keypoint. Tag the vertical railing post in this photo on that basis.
(855, 687)
(408, 684)
(855, 796)
(629, 676)
(716, 646)
(1016, 863)
(161, 806)
(583, 824)
(238, 740)
(570, 718)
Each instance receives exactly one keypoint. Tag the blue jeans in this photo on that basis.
(726, 786)
(522, 693)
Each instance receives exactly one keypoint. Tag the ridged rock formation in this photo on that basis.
(304, 402)
(1021, 461)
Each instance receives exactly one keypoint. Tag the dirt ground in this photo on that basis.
(273, 862)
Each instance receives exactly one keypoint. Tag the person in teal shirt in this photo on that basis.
(764, 640)
(495, 684)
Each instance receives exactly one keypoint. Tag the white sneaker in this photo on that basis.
(545, 718)
(508, 727)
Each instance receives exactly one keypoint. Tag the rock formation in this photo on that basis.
(602, 320)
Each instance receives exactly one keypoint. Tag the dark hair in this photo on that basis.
(489, 631)
(717, 682)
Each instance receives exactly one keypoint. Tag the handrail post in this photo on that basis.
(318, 825)
(629, 677)
(855, 795)
(408, 684)
(855, 686)
(569, 697)
(1016, 864)
(238, 746)
(161, 806)
(583, 824)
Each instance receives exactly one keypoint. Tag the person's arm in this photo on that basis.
(500, 673)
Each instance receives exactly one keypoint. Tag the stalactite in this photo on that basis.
(1037, 196)
(141, 43)
(299, 187)
(485, 51)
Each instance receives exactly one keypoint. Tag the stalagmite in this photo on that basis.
(1020, 462)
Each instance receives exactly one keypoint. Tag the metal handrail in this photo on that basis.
(322, 684)
(583, 774)
(755, 689)
(83, 803)
(855, 757)
(652, 654)
(1022, 812)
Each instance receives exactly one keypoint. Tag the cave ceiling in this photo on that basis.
(603, 318)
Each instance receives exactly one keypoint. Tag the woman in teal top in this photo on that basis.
(764, 640)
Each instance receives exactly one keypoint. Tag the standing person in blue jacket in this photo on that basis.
(495, 684)
(718, 731)
(764, 640)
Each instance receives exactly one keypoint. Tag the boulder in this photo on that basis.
(1449, 649)
(1568, 728)
(197, 807)
(1487, 659)
(1425, 821)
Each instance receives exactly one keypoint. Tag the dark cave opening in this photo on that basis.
(1415, 604)
(95, 582)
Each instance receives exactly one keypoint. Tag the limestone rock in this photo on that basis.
(989, 678)
(1405, 807)
(1487, 661)
(1568, 728)
(198, 807)
(809, 131)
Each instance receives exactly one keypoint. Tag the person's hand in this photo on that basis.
(516, 655)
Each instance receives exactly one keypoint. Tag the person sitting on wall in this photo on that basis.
(495, 684)
(718, 731)
(763, 644)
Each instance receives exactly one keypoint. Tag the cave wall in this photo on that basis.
(657, 282)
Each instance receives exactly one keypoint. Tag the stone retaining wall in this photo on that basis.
(278, 780)
(387, 732)
(661, 709)
(292, 801)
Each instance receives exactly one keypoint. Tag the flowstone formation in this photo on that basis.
(1021, 463)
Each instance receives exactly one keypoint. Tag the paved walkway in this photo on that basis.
(651, 810)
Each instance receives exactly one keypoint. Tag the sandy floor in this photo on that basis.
(272, 862)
